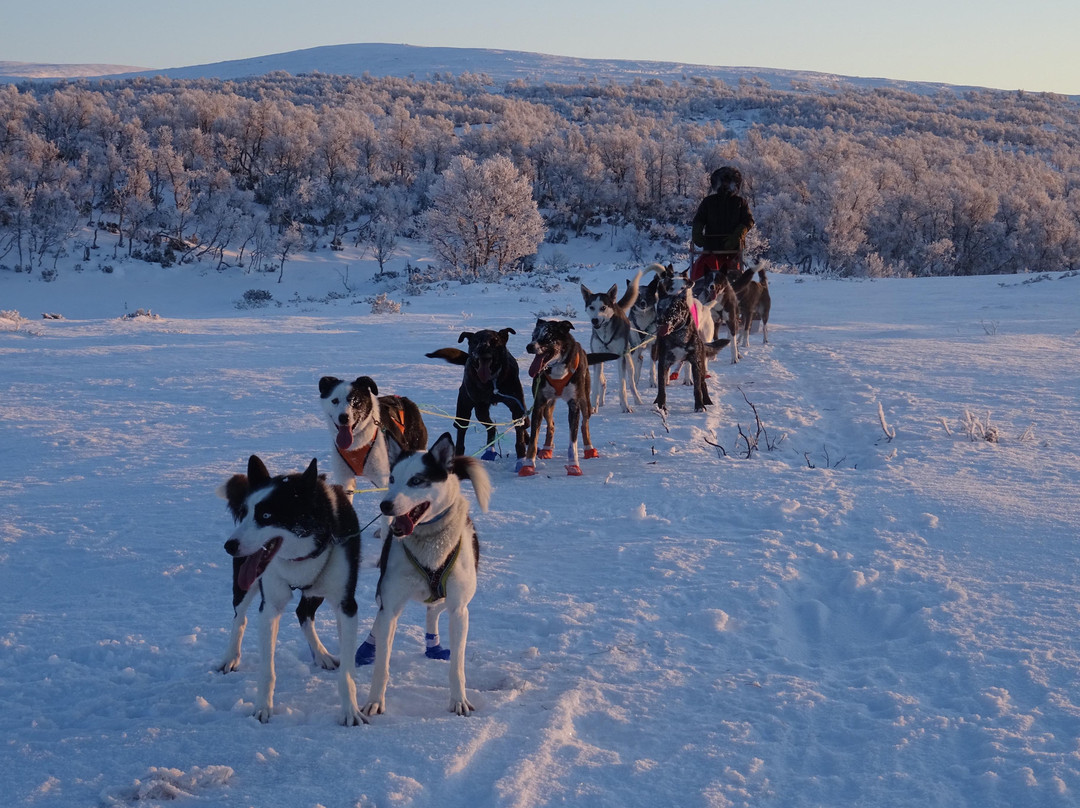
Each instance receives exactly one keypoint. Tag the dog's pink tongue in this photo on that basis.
(251, 569)
(402, 525)
(344, 437)
(536, 366)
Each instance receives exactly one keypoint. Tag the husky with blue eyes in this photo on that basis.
(431, 555)
(294, 532)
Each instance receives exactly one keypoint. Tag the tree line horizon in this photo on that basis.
(842, 180)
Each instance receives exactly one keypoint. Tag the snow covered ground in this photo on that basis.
(839, 619)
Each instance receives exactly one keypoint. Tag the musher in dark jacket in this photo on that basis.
(721, 223)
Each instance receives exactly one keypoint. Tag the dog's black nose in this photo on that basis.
(231, 546)
(387, 507)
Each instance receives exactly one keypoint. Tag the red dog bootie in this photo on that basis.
(591, 453)
(545, 453)
(527, 471)
(573, 471)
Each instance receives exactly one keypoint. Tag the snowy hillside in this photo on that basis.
(500, 65)
(839, 619)
(17, 71)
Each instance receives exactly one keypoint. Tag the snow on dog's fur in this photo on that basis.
(431, 556)
(294, 532)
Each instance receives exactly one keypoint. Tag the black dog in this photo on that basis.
(678, 339)
(491, 377)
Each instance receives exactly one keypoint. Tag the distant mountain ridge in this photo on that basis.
(501, 66)
(17, 71)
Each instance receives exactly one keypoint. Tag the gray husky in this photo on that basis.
(612, 333)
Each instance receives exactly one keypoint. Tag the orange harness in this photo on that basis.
(356, 459)
(558, 385)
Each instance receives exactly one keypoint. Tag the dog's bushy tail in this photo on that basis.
(712, 348)
(455, 356)
(743, 280)
(630, 296)
(469, 468)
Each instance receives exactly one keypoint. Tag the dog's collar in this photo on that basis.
(318, 551)
(438, 518)
(333, 540)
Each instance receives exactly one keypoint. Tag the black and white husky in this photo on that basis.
(362, 423)
(431, 556)
(294, 532)
(612, 333)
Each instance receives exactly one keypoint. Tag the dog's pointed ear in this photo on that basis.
(442, 451)
(614, 290)
(466, 335)
(257, 473)
(367, 382)
(326, 384)
(585, 292)
(311, 473)
(234, 491)
(393, 451)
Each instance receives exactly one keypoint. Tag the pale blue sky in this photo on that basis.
(992, 43)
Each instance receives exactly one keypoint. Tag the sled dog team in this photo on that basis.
(298, 531)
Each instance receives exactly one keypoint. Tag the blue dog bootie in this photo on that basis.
(365, 654)
(434, 649)
(490, 454)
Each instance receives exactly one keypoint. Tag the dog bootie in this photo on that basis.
(365, 654)
(434, 650)
(490, 454)
(573, 471)
(591, 453)
(527, 471)
(545, 453)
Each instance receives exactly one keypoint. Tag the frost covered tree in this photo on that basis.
(483, 217)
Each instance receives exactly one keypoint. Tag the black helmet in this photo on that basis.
(727, 177)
